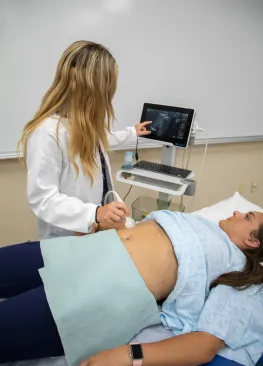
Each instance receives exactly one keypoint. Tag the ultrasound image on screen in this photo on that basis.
(168, 126)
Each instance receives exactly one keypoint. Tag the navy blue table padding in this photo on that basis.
(221, 361)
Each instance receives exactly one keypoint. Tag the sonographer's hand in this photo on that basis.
(141, 129)
(112, 213)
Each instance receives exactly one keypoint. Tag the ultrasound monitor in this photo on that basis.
(170, 125)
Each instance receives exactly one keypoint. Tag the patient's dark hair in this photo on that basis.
(252, 273)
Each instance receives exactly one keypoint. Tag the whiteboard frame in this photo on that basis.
(211, 141)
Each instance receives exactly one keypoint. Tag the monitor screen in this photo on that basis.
(169, 124)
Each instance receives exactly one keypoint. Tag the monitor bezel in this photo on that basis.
(160, 107)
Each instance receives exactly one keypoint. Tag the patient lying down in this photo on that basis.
(195, 266)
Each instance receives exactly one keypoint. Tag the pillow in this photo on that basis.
(224, 209)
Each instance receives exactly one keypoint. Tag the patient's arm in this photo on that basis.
(190, 349)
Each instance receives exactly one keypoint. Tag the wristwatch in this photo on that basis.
(136, 354)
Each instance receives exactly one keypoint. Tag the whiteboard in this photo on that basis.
(205, 54)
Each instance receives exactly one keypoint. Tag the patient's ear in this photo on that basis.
(252, 242)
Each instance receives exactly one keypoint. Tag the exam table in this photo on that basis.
(216, 212)
(154, 334)
(60, 361)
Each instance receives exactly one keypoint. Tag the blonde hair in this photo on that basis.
(82, 92)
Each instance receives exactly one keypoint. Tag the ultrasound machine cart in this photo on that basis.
(167, 185)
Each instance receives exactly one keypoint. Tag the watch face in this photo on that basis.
(136, 352)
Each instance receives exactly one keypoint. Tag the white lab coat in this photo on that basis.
(63, 203)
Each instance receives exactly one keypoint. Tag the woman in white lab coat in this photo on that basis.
(65, 145)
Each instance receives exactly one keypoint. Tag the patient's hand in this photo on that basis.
(117, 356)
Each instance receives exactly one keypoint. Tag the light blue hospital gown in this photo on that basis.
(204, 252)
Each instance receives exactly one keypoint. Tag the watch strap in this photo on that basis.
(136, 362)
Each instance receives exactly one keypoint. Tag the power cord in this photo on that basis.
(182, 196)
(202, 166)
(127, 193)
(204, 156)
(136, 151)
(188, 158)
(186, 167)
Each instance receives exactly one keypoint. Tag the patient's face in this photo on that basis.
(240, 226)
